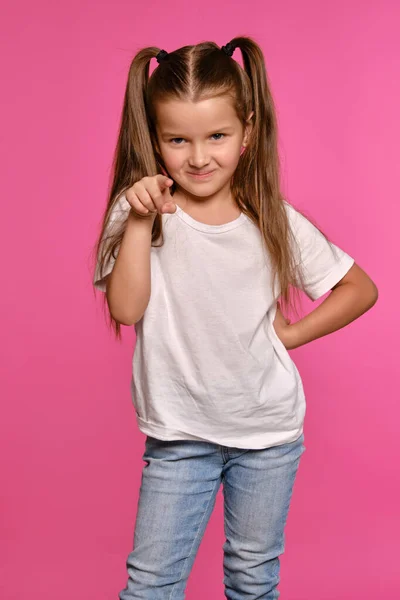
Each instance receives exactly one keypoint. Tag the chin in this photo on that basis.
(203, 188)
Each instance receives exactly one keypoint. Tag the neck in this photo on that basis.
(221, 201)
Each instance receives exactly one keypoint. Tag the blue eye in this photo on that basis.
(176, 144)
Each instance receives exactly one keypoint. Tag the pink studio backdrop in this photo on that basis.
(70, 449)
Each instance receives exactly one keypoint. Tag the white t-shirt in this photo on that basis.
(208, 364)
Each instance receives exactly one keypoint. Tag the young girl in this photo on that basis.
(196, 247)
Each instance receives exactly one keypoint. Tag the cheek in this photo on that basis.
(172, 160)
(229, 154)
(230, 159)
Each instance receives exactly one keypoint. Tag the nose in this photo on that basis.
(199, 157)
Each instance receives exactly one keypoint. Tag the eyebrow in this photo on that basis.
(216, 130)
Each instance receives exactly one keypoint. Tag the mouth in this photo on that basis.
(201, 175)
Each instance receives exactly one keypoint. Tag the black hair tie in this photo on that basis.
(228, 49)
(161, 55)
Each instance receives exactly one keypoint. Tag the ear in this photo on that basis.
(248, 129)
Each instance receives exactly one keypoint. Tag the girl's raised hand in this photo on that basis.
(151, 195)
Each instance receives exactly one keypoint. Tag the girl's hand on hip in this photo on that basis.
(282, 327)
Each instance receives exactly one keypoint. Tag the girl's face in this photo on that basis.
(203, 137)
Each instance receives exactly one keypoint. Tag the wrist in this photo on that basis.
(145, 220)
(292, 340)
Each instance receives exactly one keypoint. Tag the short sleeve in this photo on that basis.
(323, 263)
(118, 215)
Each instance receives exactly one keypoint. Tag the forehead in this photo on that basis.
(194, 117)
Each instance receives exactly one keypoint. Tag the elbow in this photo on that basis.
(124, 309)
(124, 319)
(368, 295)
(374, 294)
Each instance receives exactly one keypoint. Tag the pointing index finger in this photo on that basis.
(164, 181)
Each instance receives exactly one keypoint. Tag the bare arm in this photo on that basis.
(351, 297)
(128, 285)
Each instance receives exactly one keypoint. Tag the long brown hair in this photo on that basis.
(193, 73)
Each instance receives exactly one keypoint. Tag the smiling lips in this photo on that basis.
(202, 175)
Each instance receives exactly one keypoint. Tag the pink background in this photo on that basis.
(70, 450)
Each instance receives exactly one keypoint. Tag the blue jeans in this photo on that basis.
(180, 481)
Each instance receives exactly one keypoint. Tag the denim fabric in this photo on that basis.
(180, 481)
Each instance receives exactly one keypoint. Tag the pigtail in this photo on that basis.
(133, 159)
(259, 168)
